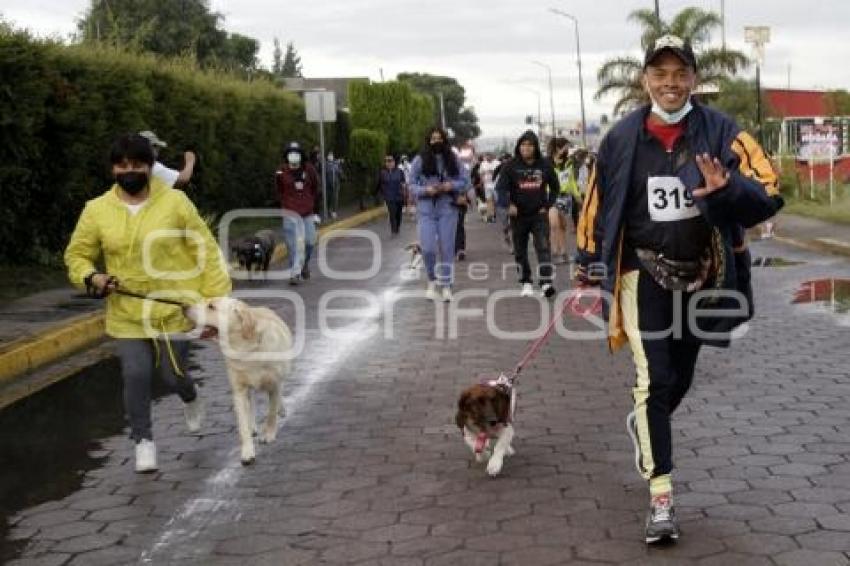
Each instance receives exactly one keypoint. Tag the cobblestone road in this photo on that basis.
(368, 468)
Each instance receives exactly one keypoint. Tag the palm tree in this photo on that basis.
(622, 75)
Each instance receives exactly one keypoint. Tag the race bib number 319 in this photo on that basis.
(669, 200)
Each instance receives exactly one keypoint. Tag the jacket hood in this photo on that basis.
(529, 135)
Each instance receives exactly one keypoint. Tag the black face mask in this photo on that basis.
(133, 182)
(437, 148)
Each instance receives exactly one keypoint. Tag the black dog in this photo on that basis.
(256, 251)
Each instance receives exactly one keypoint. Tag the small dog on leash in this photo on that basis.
(485, 416)
(415, 255)
(256, 251)
(253, 343)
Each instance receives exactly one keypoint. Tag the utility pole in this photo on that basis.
(657, 11)
(442, 113)
(758, 36)
(723, 24)
(580, 79)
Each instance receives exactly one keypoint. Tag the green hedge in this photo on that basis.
(365, 153)
(62, 106)
(394, 109)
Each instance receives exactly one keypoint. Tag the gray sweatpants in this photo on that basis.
(138, 357)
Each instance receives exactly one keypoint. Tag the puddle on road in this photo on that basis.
(49, 441)
(833, 294)
(775, 262)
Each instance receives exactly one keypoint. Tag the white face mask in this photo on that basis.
(671, 118)
(294, 158)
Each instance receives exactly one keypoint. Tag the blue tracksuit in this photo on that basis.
(437, 218)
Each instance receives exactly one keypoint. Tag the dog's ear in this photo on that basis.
(249, 323)
(462, 409)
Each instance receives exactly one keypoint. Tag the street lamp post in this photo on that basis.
(580, 79)
(758, 36)
(551, 94)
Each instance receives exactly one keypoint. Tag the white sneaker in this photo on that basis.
(447, 294)
(527, 290)
(431, 291)
(194, 413)
(145, 456)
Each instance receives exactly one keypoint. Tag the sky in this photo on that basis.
(489, 45)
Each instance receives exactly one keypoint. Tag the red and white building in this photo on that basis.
(809, 133)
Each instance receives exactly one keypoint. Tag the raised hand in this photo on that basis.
(716, 176)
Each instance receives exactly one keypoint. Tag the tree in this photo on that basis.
(838, 103)
(392, 108)
(366, 149)
(622, 75)
(461, 119)
(170, 28)
(277, 59)
(291, 63)
(737, 98)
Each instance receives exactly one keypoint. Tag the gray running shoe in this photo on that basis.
(661, 524)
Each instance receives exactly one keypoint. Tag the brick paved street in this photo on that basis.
(369, 469)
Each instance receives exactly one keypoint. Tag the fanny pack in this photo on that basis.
(677, 275)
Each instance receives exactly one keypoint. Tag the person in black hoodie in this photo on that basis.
(532, 186)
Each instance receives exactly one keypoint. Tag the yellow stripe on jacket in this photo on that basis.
(754, 163)
(587, 220)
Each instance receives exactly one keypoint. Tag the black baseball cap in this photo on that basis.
(676, 45)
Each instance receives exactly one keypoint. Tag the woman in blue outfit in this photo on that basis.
(437, 181)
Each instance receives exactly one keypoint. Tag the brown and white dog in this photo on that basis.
(484, 415)
(256, 344)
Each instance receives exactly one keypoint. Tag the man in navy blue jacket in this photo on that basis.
(662, 231)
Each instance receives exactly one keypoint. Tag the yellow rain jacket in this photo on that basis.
(164, 248)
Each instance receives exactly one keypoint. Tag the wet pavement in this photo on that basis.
(369, 469)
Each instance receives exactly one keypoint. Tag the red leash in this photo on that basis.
(573, 304)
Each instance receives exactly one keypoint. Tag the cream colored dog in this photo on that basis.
(256, 344)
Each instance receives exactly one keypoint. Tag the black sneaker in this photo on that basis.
(661, 524)
(461, 255)
(548, 291)
(305, 273)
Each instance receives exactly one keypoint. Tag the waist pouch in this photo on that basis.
(676, 275)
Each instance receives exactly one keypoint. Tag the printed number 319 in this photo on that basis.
(663, 198)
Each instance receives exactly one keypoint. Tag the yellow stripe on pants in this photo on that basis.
(640, 393)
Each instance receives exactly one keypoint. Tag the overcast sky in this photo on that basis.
(489, 45)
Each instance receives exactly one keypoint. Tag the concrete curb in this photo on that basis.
(64, 338)
(819, 245)
(75, 334)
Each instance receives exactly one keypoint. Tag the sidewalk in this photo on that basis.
(813, 234)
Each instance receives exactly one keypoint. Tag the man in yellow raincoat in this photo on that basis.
(151, 241)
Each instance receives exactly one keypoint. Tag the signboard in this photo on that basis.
(320, 106)
(819, 140)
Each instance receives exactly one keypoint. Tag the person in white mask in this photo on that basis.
(299, 191)
(662, 231)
